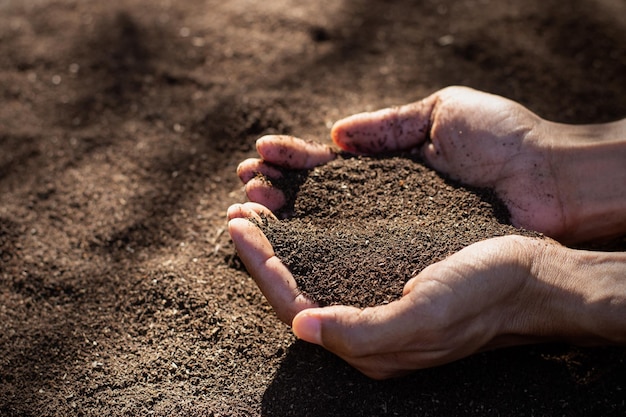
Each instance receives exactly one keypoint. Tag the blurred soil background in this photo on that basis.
(121, 126)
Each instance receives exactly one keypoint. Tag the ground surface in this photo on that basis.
(121, 125)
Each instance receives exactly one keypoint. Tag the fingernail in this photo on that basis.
(308, 328)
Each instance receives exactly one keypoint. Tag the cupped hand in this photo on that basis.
(472, 301)
(477, 138)
(500, 292)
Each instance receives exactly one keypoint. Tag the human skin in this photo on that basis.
(500, 292)
(566, 181)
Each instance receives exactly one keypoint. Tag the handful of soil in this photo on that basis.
(358, 228)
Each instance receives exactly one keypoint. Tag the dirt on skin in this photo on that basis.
(121, 127)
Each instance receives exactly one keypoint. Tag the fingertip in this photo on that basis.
(263, 141)
(249, 210)
(333, 327)
(237, 228)
(259, 191)
(234, 211)
(245, 169)
(270, 147)
(253, 167)
(308, 327)
(252, 245)
(340, 136)
(258, 209)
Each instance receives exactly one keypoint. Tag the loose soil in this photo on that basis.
(359, 228)
(121, 127)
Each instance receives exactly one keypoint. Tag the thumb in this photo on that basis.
(353, 332)
(387, 130)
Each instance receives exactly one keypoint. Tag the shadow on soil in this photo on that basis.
(553, 379)
(120, 58)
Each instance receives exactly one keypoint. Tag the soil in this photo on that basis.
(121, 126)
(358, 228)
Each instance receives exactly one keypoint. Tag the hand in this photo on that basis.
(568, 182)
(452, 309)
(477, 138)
(499, 292)
(504, 291)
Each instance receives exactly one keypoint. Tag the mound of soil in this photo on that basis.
(358, 228)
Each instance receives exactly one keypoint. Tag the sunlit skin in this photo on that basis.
(566, 181)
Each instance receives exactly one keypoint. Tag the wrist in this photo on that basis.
(582, 295)
(588, 166)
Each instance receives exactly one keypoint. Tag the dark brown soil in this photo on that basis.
(121, 126)
(359, 228)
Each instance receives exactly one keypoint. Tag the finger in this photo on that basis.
(252, 167)
(387, 130)
(270, 274)
(249, 210)
(294, 153)
(260, 190)
(381, 342)
(354, 333)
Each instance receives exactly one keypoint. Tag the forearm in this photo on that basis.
(584, 294)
